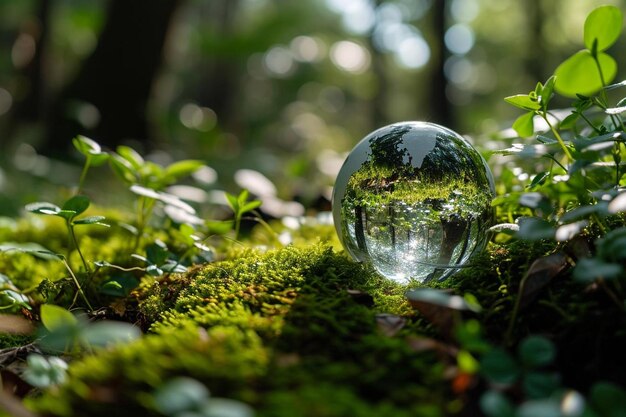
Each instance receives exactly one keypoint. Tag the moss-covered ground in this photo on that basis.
(301, 330)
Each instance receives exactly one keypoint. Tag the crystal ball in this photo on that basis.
(413, 199)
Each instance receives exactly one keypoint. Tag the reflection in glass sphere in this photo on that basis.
(414, 200)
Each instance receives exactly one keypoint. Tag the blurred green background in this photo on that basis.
(281, 88)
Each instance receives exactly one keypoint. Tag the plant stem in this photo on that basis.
(83, 175)
(78, 287)
(237, 224)
(589, 122)
(558, 137)
(604, 97)
(75, 241)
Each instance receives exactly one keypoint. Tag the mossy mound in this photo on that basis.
(291, 332)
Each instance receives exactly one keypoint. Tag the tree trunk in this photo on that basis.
(440, 109)
(117, 77)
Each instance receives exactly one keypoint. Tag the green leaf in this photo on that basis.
(616, 85)
(42, 207)
(157, 253)
(123, 169)
(86, 146)
(589, 269)
(523, 101)
(603, 26)
(499, 367)
(66, 214)
(613, 245)
(91, 149)
(180, 394)
(466, 362)
(534, 228)
(570, 121)
(107, 332)
(219, 227)
(92, 220)
(615, 110)
(579, 74)
(585, 212)
(233, 202)
(540, 408)
(181, 169)
(250, 206)
(77, 204)
(242, 198)
(225, 407)
(540, 384)
(539, 179)
(145, 191)
(54, 317)
(536, 351)
(546, 92)
(536, 201)
(524, 125)
(131, 155)
(608, 400)
(495, 404)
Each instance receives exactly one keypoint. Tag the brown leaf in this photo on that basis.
(15, 324)
(540, 273)
(390, 324)
(118, 307)
(423, 344)
(438, 307)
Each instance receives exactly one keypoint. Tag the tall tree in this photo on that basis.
(117, 77)
(440, 109)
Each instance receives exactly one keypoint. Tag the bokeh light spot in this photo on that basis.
(350, 56)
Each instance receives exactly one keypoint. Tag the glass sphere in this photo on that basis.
(413, 199)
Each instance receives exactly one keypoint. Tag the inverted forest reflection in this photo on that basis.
(418, 207)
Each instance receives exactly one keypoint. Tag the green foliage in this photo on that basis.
(64, 332)
(240, 206)
(304, 331)
(590, 70)
(579, 192)
(184, 396)
(43, 372)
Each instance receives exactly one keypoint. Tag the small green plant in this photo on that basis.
(183, 396)
(64, 332)
(72, 208)
(69, 211)
(11, 299)
(94, 156)
(147, 180)
(579, 189)
(43, 372)
(240, 206)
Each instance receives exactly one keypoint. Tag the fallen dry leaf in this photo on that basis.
(540, 273)
(439, 307)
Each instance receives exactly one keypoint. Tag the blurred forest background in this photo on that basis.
(282, 88)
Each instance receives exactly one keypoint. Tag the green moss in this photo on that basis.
(294, 332)
(279, 330)
(121, 381)
(8, 340)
